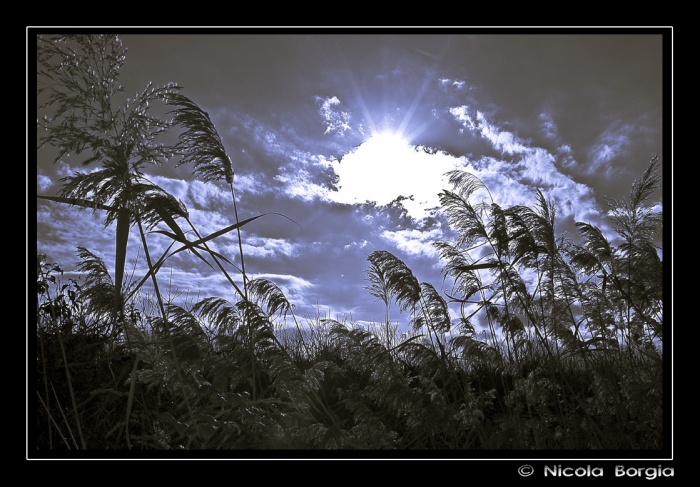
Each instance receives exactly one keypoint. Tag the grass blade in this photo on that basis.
(54, 421)
(77, 202)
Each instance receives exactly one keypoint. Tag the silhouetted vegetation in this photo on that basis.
(571, 359)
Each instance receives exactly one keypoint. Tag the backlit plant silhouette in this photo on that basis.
(570, 356)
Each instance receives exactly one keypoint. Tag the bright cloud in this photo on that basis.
(207, 195)
(299, 184)
(336, 120)
(386, 167)
(43, 183)
(249, 183)
(415, 242)
(175, 187)
(286, 280)
(515, 182)
(269, 248)
(64, 170)
(457, 84)
(463, 117)
(504, 141)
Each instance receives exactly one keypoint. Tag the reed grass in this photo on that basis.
(571, 361)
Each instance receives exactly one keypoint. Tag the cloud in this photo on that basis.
(298, 184)
(356, 245)
(208, 196)
(295, 288)
(415, 242)
(515, 181)
(269, 248)
(385, 168)
(461, 113)
(336, 120)
(43, 183)
(64, 170)
(250, 184)
(549, 128)
(504, 141)
(387, 171)
(613, 143)
(456, 84)
(176, 187)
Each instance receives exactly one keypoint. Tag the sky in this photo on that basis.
(349, 137)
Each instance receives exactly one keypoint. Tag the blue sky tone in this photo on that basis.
(350, 135)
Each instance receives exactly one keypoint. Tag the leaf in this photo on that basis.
(188, 246)
(167, 418)
(169, 220)
(121, 244)
(204, 417)
(226, 230)
(153, 270)
(77, 202)
(475, 267)
(406, 342)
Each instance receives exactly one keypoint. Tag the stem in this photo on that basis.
(52, 420)
(240, 243)
(70, 388)
(251, 337)
(167, 330)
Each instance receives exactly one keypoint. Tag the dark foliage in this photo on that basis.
(570, 356)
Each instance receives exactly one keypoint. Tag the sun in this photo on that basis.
(375, 166)
(386, 144)
(385, 167)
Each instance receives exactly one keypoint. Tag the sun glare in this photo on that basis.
(386, 143)
(387, 166)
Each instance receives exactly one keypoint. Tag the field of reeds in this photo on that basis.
(572, 358)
